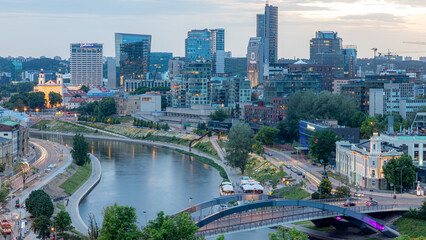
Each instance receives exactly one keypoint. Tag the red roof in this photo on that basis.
(77, 100)
(103, 89)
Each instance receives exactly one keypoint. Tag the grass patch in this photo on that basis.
(310, 225)
(303, 223)
(336, 177)
(64, 127)
(127, 119)
(79, 178)
(412, 227)
(78, 233)
(207, 147)
(295, 192)
(60, 206)
(207, 161)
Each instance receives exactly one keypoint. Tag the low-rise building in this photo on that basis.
(75, 103)
(363, 163)
(150, 102)
(6, 152)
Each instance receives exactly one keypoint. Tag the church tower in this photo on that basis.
(375, 144)
(59, 80)
(41, 78)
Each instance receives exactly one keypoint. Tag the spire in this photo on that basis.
(41, 78)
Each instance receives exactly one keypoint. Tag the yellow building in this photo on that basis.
(49, 86)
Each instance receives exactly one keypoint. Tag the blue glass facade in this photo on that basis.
(198, 45)
(159, 62)
(132, 52)
(350, 55)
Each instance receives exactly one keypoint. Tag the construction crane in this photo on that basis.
(419, 43)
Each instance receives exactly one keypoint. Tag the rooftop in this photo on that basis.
(8, 122)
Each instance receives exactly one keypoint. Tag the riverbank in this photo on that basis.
(81, 193)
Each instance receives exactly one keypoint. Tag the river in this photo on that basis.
(151, 179)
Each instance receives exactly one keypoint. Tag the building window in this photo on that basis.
(373, 163)
(373, 173)
(416, 145)
(373, 183)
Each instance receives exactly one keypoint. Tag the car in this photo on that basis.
(289, 166)
(371, 202)
(299, 173)
(314, 163)
(359, 194)
(349, 204)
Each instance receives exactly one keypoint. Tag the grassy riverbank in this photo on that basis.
(64, 127)
(413, 227)
(73, 183)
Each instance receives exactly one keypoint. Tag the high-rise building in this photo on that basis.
(260, 25)
(112, 73)
(271, 32)
(350, 53)
(326, 48)
(196, 81)
(255, 61)
(86, 64)
(132, 55)
(176, 67)
(207, 45)
(159, 63)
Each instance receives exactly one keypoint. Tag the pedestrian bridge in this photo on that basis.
(269, 211)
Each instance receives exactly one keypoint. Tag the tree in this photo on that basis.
(41, 226)
(36, 100)
(322, 144)
(62, 221)
(4, 192)
(237, 110)
(358, 119)
(368, 127)
(221, 237)
(80, 150)
(24, 168)
(254, 96)
(266, 135)
(258, 148)
(55, 99)
(178, 227)
(218, 115)
(239, 146)
(93, 229)
(292, 234)
(342, 191)
(307, 105)
(84, 88)
(325, 188)
(393, 169)
(107, 107)
(39, 204)
(163, 102)
(119, 223)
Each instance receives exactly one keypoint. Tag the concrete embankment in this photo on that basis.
(81, 193)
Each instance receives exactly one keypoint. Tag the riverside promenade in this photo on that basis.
(81, 193)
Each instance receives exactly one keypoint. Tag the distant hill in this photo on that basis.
(5, 65)
(47, 64)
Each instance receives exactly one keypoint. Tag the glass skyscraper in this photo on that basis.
(267, 28)
(207, 45)
(159, 63)
(132, 53)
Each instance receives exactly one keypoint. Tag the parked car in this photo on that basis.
(371, 202)
(299, 173)
(289, 166)
(349, 204)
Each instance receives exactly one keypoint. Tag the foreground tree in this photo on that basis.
(41, 226)
(178, 227)
(36, 100)
(39, 204)
(322, 144)
(342, 191)
(119, 223)
(400, 167)
(239, 146)
(62, 221)
(218, 115)
(93, 229)
(284, 234)
(324, 190)
(80, 150)
(107, 107)
(266, 135)
(4, 192)
(55, 99)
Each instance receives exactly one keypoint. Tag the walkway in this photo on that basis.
(81, 193)
(232, 175)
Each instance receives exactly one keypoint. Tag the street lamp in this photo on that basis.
(190, 198)
(146, 221)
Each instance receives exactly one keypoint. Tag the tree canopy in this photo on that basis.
(119, 223)
(41, 226)
(178, 227)
(307, 105)
(85, 88)
(239, 146)
(55, 99)
(80, 150)
(63, 221)
(284, 234)
(218, 115)
(392, 171)
(322, 144)
(39, 204)
(266, 135)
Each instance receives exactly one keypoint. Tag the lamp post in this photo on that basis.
(146, 221)
(190, 198)
(401, 177)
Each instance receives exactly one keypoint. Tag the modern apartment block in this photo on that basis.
(132, 55)
(326, 48)
(196, 81)
(207, 45)
(159, 63)
(86, 64)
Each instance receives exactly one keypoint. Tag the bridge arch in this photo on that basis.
(300, 203)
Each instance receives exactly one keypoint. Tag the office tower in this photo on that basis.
(350, 55)
(255, 61)
(260, 25)
(86, 64)
(326, 48)
(132, 54)
(16, 71)
(207, 45)
(271, 32)
(159, 63)
(112, 73)
(196, 81)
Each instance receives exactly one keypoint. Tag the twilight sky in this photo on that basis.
(47, 27)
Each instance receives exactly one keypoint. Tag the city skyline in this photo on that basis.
(383, 24)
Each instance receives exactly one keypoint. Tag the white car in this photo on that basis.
(359, 194)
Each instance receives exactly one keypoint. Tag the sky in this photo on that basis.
(47, 27)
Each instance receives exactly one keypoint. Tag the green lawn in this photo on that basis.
(412, 227)
(60, 206)
(78, 179)
(64, 127)
(295, 192)
(207, 147)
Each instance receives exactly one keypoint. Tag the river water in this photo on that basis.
(151, 179)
